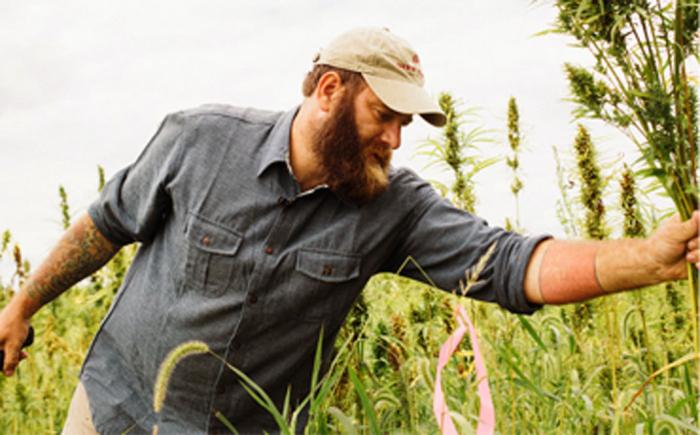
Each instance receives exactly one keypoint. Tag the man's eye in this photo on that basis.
(384, 116)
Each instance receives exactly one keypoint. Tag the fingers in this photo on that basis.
(692, 224)
(687, 230)
(693, 255)
(12, 357)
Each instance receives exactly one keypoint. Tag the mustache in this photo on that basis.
(379, 151)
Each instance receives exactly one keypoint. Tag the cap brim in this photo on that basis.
(404, 97)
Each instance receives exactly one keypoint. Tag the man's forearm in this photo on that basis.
(561, 272)
(81, 251)
(627, 264)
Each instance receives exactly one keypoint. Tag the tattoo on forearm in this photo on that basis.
(82, 251)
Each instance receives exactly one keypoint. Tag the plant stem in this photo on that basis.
(693, 287)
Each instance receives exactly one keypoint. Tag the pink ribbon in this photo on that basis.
(487, 418)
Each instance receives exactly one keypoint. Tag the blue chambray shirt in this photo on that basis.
(234, 254)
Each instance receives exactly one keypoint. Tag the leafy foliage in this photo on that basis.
(455, 151)
(640, 84)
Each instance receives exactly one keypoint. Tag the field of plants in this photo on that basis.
(626, 363)
(572, 369)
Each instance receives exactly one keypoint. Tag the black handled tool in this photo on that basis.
(27, 342)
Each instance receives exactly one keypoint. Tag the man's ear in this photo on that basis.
(329, 88)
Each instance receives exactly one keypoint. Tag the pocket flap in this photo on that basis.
(212, 237)
(328, 266)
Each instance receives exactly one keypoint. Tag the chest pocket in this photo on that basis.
(211, 256)
(330, 282)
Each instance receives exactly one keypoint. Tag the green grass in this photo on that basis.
(545, 375)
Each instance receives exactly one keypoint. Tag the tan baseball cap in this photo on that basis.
(390, 67)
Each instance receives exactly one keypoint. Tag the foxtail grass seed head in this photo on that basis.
(168, 366)
(472, 274)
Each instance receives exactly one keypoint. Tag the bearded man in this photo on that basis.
(258, 230)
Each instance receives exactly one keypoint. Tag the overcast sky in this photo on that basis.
(84, 83)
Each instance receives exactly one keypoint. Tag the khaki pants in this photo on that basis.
(79, 420)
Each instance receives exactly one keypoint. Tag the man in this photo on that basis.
(259, 228)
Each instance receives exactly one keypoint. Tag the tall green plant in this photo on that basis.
(513, 161)
(595, 228)
(65, 209)
(632, 222)
(452, 150)
(632, 226)
(591, 186)
(640, 84)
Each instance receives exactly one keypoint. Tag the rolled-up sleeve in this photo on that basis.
(447, 244)
(135, 201)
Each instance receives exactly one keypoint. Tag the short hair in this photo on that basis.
(349, 78)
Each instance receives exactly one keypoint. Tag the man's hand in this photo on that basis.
(81, 251)
(673, 245)
(14, 327)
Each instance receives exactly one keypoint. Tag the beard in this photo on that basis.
(357, 171)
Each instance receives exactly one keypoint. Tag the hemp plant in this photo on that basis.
(513, 162)
(65, 210)
(592, 223)
(640, 85)
(632, 226)
(452, 150)
(591, 186)
(595, 227)
(632, 223)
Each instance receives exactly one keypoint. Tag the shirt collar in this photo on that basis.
(276, 148)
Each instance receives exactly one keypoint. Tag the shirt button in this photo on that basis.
(252, 298)
(206, 241)
(269, 250)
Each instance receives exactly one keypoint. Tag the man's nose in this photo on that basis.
(392, 135)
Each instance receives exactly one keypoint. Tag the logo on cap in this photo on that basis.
(415, 68)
